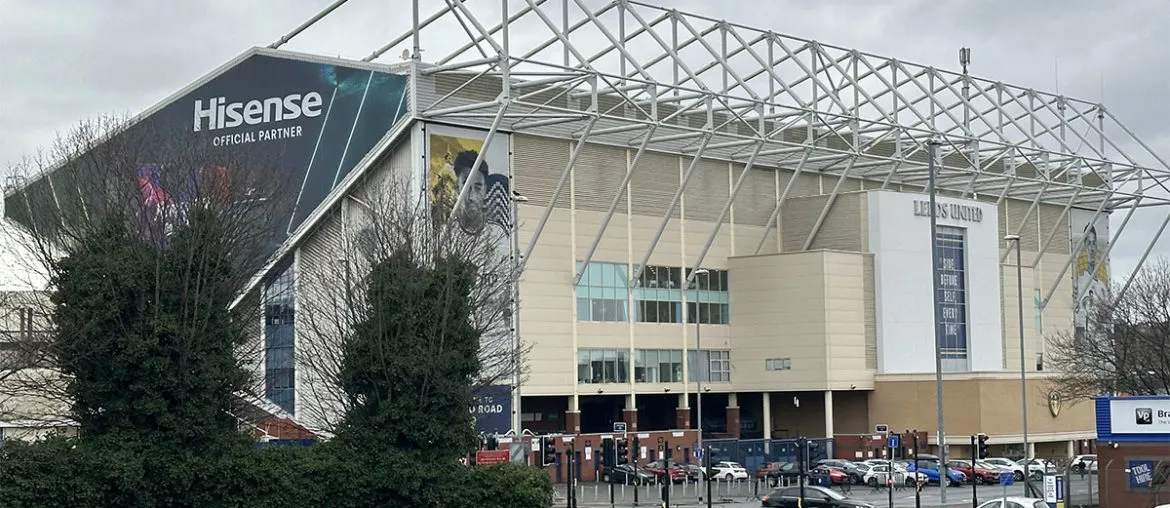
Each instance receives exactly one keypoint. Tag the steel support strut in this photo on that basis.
(774, 218)
(580, 145)
(670, 211)
(723, 214)
(828, 205)
(622, 189)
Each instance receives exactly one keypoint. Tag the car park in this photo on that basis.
(1084, 464)
(628, 474)
(878, 472)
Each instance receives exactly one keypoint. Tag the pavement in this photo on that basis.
(744, 494)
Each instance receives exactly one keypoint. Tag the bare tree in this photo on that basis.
(1126, 345)
(385, 217)
(153, 178)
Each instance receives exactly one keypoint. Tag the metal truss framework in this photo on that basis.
(632, 74)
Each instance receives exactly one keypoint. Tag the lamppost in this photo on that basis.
(1023, 371)
(699, 349)
(932, 146)
(516, 199)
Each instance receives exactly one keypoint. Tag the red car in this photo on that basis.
(836, 475)
(979, 475)
(677, 474)
(768, 467)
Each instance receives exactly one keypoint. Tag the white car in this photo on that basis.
(1038, 467)
(1008, 464)
(1015, 502)
(729, 471)
(877, 474)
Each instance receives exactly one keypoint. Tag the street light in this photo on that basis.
(1023, 372)
(699, 349)
(515, 283)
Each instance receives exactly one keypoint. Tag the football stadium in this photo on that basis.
(718, 228)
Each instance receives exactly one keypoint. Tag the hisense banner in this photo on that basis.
(306, 123)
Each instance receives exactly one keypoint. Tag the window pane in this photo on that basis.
(622, 366)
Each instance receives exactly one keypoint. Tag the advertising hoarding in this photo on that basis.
(492, 409)
(306, 125)
(1139, 416)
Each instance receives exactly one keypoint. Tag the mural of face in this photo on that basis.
(471, 214)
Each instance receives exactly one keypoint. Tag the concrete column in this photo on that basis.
(829, 413)
(630, 414)
(573, 416)
(1031, 451)
(767, 423)
(682, 414)
(733, 416)
(1072, 449)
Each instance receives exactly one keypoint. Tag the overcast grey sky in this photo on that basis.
(67, 60)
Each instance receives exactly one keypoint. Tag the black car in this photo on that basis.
(814, 497)
(628, 474)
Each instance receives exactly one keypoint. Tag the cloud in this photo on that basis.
(69, 60)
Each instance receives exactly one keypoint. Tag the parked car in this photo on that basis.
(980, 475)
(1084, 463)
(1015, 502)
(1002, 470)
(836, 475)
(901, 475)
(849, 467)
(628, 474)
(1037, 467)
(728, 471)
(675, 473)
(1016, 469)
(694, 471)
(768, 467)
(783, 470)
(789, 497)
(929, 464)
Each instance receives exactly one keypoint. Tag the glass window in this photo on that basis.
(279, 340)
(778, 364)
(714, 366)
(602, 292)
(658, 366)
(602, 366)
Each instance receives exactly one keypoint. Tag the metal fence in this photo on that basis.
(752, 453)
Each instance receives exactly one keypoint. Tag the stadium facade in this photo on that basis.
(699, 209)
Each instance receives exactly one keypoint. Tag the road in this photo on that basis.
(743, 495)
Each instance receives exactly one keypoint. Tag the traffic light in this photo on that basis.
(548, 454)
(634, 447)
(984, 452)
(492, 443)
(608, 458)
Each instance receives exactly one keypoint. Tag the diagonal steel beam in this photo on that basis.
(1056, 227)
(1068, 262)
(772, 219)
(666, 216)
(622, 189)
(580, 145)
(747, 169)
(1141, 261)
(828, 205)
(487, 140)
(1023, 222)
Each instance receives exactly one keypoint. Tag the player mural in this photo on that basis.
(1091, 267)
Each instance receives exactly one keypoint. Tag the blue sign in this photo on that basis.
(619, 426)
(1007, 479)
(1141, 474)
(894, 441)
(1059, 489)
(492, 409)
(951, 274)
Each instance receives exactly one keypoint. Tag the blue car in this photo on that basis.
(928, 465)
